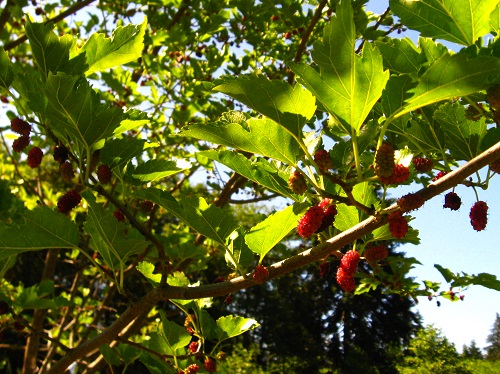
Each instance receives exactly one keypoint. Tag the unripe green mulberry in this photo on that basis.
(384, 161)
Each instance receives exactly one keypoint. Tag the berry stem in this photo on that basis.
(355, 149)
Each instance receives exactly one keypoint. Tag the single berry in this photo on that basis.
(210, 365)
(495, 166)
(4, 99)
(35, 156)
(288, 35)
(439, 175)
(297, 183)
(67, 172)
(193, 347)
(118, 214)
(220, 279)
(422, 164)
(221, 355)
(384, 161)
(260, 274)
(349, 262)
(493, 97)
(324, 269)
(345, 281)
(68, 201)
(21, 143)
(310, 221)
(104, 174)
(19, 326)
(452, 201)
(410, 201)
(479, 215)
(146, 206)
(275, 18)
(20, 126)
(323, 160)
(192, 369)
(330, 211)
(400, 174)
(4, 307)
(376, 253)
(61, 154)
(397, 224)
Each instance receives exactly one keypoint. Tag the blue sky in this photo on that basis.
(447, 238)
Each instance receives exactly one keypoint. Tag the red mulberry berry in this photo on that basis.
(349, 262)
(35, 156)
(479, 215)
(400, 174)
(345, 281)
(210, 365)
(21, 143)
(67, 172)
(323, 160)
(146, 206)
(104, 174)
(452, 201)
(68, 201)
(439, 175)
(398, 225)
(493, 97)
(297, 183)
(495, 166)
(410, 201)
(422, 164)
(384, 161)
(310, 221)
(20, 126)
(192, 369)
(260, 274)
(118, 214)
(61, 154)
(193, 347)
(375, 254)
(330, 211)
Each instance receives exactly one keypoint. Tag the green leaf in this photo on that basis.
(231, 326)
(238, 255)
(289, 106)
(126, 44)
(111, 238)
(76, 110)
(5, 264)
(118, 152)
(34, 297)
(110, 355)
(446, 273)
(215, 223)
(6, 73)
(495, 20)
(463, 136)
(401, 56)
(51, 52)
(153, 170)
(383, 233)
(147, 269)
(458, 21)
(176, 337)
(259, 171)
(486, 280)
(347, 217)
(266, 234)
(261, 136)
(451, 76)
(348, 84)
(42, 228)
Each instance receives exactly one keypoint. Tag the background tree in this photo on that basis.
(472, 351)
(493, 349)
(112, 110)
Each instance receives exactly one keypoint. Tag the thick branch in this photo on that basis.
(280, 268)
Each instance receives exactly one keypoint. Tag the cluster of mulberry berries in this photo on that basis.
(104, 174)
(400, 174)
(23, 128)
(347, 269)
(422, 164)
(35, 156)
(297, 183)
(410, 202)
(452, 201)
(384, 161)
(479, 215)
(317, 218)
(210, 365)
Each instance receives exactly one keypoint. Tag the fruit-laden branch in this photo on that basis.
(316, 253)
(68, 12)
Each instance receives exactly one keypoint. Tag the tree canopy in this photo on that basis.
(136, 134)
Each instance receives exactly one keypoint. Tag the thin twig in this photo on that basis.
(375, 27)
